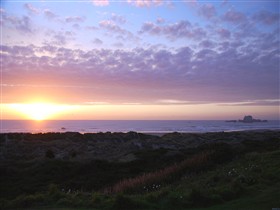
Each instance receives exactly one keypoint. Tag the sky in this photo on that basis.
(141, 59)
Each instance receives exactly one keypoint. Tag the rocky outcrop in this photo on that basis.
(247, 119)
(250, 119)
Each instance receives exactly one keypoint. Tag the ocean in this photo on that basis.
(144, 126)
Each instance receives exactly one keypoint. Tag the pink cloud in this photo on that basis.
(145, 3)
(31, 8)
(100, 2)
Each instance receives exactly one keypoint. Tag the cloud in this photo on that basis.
(97, 41)
(92, 28)
(224, 33)
(59, 38)
(23, 25)
(76, 26)
(145, 3)
(234, 16)
(224, 3)
(111, 26)
(118, 45)
(266, 17)
(120, 33)
(174, 102)
(184, 75)
(205, 54)
(207, 44)
(118, 18)
(192, 3)
(49, 14)
(100, 3)
(96, 103)
(31, 9)
(181, 29)
(160, 20)
(74, 19)
(265, 102)
(207, 10)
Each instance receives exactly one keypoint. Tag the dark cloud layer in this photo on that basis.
(118, 75)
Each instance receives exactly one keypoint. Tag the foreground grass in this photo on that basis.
(216, 175)
(267, 199)
(263, 190)
(250, 181)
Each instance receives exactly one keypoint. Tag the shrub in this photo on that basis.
(178, 199)
(230, 191)
(73, 154)
(221, 152)
(198, 197)
(156, 196)
(96, 198)
(54, 193)
(124, 202)
(64, 202)
(49, 154)
(25, 201)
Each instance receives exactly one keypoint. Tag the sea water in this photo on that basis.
(145, 126)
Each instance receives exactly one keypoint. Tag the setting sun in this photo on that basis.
(39, 111)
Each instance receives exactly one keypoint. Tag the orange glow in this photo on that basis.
(40, 111)
(50, 111)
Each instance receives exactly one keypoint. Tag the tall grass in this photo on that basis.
(197, 162)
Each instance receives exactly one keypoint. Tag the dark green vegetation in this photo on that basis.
(238, 170)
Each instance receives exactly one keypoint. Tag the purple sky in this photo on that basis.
(141, 52)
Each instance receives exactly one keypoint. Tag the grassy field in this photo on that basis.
(214, 176)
